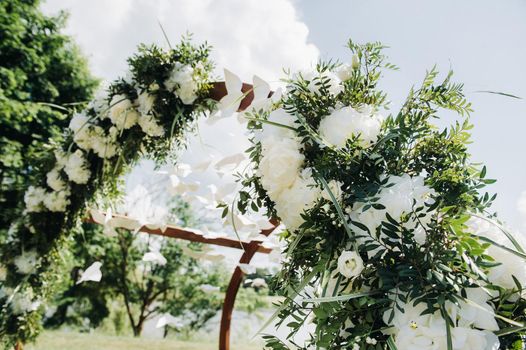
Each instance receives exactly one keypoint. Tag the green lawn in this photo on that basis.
(60, 340)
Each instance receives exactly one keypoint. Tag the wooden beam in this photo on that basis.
(191, 236)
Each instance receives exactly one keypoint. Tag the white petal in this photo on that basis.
(92, 273)
(208, 289)
(234, 159)
(247, 268)
(154, 257)
(261, 88)
(232, 82)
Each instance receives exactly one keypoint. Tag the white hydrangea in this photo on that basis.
(26, 262)
(54, 180)
(280, 164)
(33, 198)
(77, 168)
(400, 197)
(344, 123)
(183, 83)
(122, 112)
(293, 201)
(315, 78)
(57, 201)
(510, 264)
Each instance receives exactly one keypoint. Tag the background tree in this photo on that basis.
(41, 69)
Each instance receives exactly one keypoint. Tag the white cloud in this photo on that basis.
(521, 206)
(249, 36)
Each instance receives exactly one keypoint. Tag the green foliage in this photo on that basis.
(40, 68)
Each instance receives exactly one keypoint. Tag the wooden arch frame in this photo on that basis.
(250, 248)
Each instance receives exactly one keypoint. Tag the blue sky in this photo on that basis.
(481, 40)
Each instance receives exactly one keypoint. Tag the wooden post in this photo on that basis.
(233, 287)
(18, 345)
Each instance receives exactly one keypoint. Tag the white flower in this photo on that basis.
(80, 126)
(33, 198)
(280, 164)
(230, 103)
(268, 131)
(100, 101)
(54, 180)
(261, 101)
(57, 201)
(23, 302)
(315, 79)
(293, 201)
(510, 264)
(345, 123)
(350, 264)
(26, 262)
(77, 168)
(344, 71)
(480, 317)
(182, 81)
(401, 196)
(155, 257)
(258, 283)
(149, 125)
(145, 102)
(122, 113)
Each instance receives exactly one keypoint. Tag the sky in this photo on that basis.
(481, 40)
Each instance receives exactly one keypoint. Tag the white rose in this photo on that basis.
(345, 123)
(54, 180)
(295, 200)
(280, 164)
(268, 130)
(182, 81)
(122, 113)
(77, 168)
(33, 198)
(344, 71)
(350, 264)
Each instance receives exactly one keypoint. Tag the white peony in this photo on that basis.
(293, 201)
(149, 125)
(57, 201)
(279, 116)
(315, 79)
(480, 317)
(400, 197)
(510, 264)
(345, 123)
(33, 198)
(77, 168)
(122, 112)
(350, 264)
(54, 180)
(279, 165)
(145, 102)
(182, 82)
(80, 126)
(26, 262)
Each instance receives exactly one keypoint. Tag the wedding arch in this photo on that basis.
(390, 243)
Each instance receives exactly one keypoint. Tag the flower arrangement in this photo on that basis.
(390, 243)
(145, 114)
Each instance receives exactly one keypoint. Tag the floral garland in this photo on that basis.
(390, 244)
(144, 114)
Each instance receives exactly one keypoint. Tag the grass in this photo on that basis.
(61, 340)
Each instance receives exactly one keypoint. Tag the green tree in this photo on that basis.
(40, 70)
